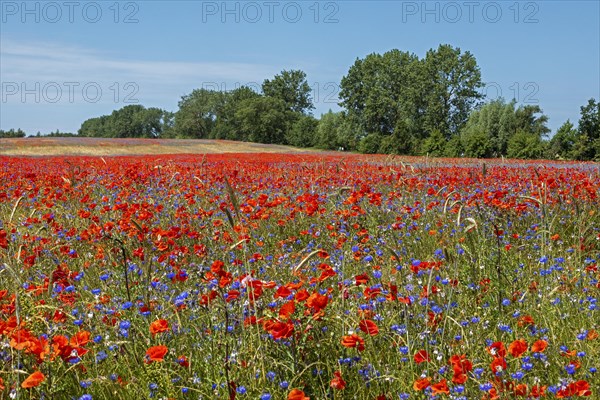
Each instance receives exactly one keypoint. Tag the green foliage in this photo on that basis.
(589, 122)
(498, 120)
(394, 103)
(496, 123)
(197, 114)
(263, 119)
(291, 88)
(525, 145)
(59, 134)
(133, 121)
(227, 126)
(398, 94)
(371, 143)
(527, 120)
(450, 89)
(348, 132)
(380, 89)
(435, 144)
(11, 133)
(454, 147)
(563, 142)
(303, 132)
(476, 144)
(328, 131)
(588, 147)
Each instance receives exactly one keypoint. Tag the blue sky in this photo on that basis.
(63, 62)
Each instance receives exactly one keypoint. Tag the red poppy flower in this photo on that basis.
(316, 302)
(422, 383)
(440, 388)
(517, 348)
(282, 292)
(539, 346)
(80, 339)
(158, 326)
(369, 327)
(279, 330)
(460, 364)
(287, 310)
(156, 353)
(538, 391)
(421, 356)
(497, 349)
(520, 390)
(337, 382)
(498, 365)
(353, 341)
(33, 380)
(362, 279)
(297, 394)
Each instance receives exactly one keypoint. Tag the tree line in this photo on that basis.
(393, 102)
(12, 133)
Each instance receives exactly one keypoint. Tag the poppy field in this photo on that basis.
(298, 276)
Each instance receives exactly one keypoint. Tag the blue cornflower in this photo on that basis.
(85, 384)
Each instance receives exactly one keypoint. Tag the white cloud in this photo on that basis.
(32, 62)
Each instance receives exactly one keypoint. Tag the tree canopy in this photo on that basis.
(393, 102)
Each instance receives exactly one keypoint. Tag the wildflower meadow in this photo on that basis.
(298, 276)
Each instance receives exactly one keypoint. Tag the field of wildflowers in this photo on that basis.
(279, 276)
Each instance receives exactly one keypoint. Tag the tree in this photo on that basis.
(563, 142)
(227, 126)
(451, 83)
(198, 112)
(525, 144)
(496, 123)
(327, 131)
(121, 123)
(95, 127)
(370, 144)
(476, 144)
(11, 133)
(291, 88)
(588, 146)
(348, 132)
(263, 119)
(496, 120)
(303, 132)
(527, 120)
(454, 147)
(398, 95)
(435, 144)
(379, 90)
(128, 122)
(589, 121)
(167, 122)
